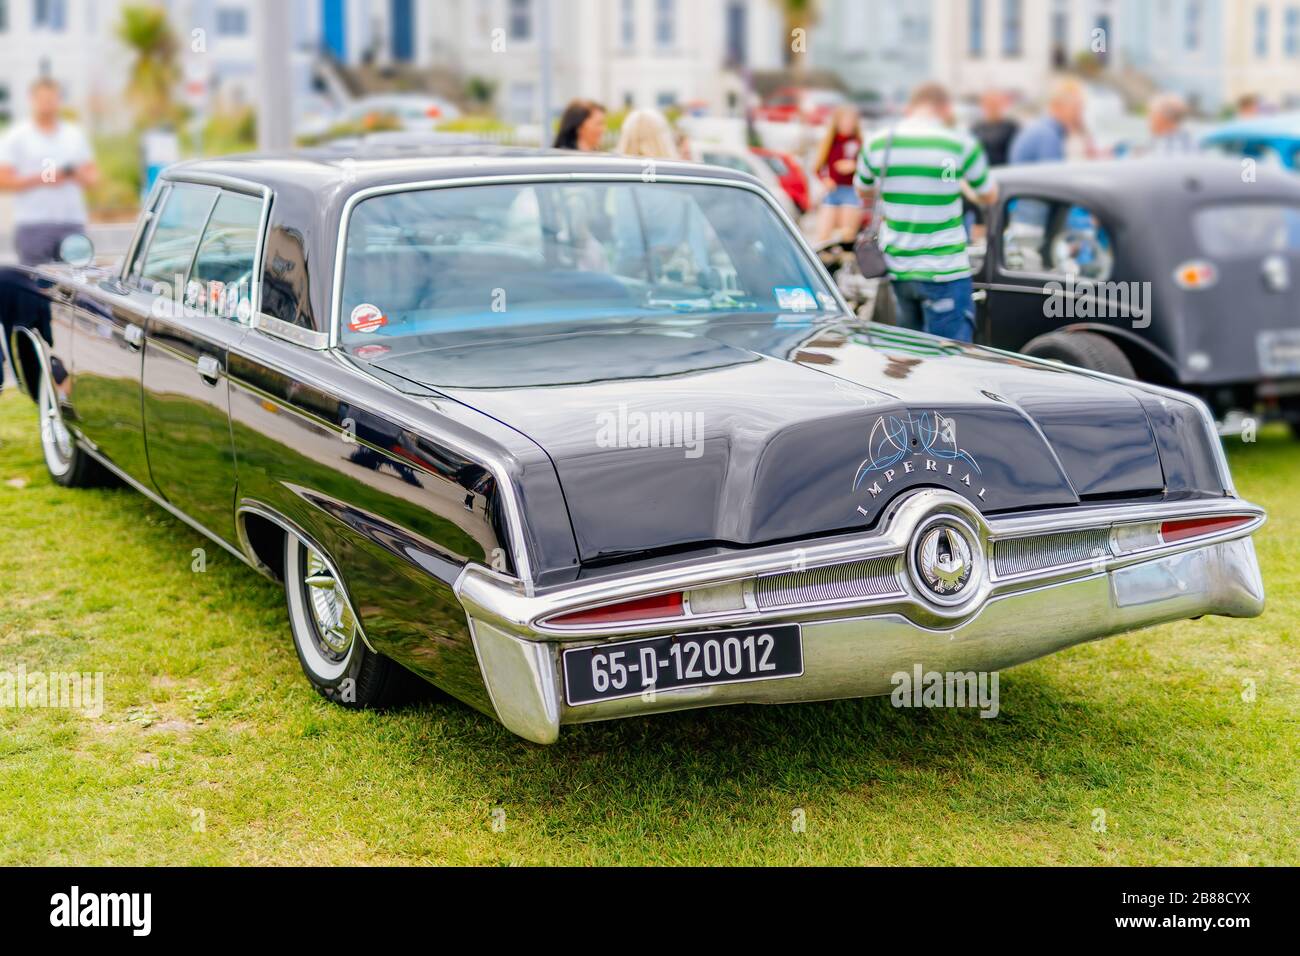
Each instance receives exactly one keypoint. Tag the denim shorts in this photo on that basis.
(941, 308)
(842, 196)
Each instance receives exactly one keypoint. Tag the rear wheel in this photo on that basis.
(1082, 349)
(327, 636)
(68, 464)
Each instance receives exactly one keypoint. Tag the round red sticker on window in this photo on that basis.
(366, 318)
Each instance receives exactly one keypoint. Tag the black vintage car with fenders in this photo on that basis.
(572, 442)
(1176, 271)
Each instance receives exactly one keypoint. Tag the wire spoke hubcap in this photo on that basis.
(335, 625)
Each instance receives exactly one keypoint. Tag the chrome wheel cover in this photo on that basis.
(56, 440)
(327, 604)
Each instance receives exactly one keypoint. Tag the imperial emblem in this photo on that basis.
(926, 444)
(944, 559)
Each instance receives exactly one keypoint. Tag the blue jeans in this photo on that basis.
(941, 308)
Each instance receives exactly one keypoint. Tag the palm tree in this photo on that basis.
(797, 15)
(154, 75)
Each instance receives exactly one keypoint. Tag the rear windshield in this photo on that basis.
(482, 257)
(1247, 229)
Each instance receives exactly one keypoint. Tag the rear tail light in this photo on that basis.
(1181, 530)
(642, 609)
(1195, 275)
(433, 112)
(1152, 534)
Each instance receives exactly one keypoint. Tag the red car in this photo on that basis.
(793, 179)
(790, 104)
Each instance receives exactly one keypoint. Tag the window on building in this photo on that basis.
(4, 16)
(1291, 39)
(737, 33)
(1012, 28)
(1060, 26)
(975, 11)
(520, 102)
(665, 23)
(666, 99)
(232, 21)
(521, 19)
(1192, 25)
(1261, 31)
(627, 24)
(50, 14)
(6, 115)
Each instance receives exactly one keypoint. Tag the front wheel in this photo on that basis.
(327, 635)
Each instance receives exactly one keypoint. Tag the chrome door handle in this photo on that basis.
(134, 336)
(209, 369)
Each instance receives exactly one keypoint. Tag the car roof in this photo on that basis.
(1152, 182)
(333, 173)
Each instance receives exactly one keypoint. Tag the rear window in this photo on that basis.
(446, 260)
(1247, 229)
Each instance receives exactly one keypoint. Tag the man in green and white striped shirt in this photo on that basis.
(925, 161)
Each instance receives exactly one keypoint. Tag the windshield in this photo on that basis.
(1247, 229)
(448, 260)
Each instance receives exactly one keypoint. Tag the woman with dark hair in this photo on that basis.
(582, 126)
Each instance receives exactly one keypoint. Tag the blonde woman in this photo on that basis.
(836, 160)
(646, 133)
(674, 230)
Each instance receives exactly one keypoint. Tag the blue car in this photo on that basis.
(1274, 139)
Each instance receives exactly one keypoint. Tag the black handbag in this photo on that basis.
(866, 248)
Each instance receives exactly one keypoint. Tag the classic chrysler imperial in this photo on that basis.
(576, 438)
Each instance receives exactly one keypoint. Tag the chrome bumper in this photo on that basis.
(852, 647)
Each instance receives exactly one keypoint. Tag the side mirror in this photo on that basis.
(77, 250)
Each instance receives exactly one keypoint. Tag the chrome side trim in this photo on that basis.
(247, 507)
(41, 357)
(307, 338)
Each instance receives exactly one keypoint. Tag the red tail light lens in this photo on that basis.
(651, 608)
(1172, 531)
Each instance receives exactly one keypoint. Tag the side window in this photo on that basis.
(221, 282)
(1043, 237)
(176, 234)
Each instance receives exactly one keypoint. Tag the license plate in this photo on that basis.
(631, 668)
(1279, 352)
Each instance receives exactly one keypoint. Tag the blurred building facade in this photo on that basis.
(623, 53)
(632, 53)
(67, 40)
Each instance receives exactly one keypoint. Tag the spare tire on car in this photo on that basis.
(1087, 350)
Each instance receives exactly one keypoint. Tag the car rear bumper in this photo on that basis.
(1023, 608)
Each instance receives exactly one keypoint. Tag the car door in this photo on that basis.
(108, 342)
(1044, 257)
(186, 391)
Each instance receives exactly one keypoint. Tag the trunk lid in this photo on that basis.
(750, 432)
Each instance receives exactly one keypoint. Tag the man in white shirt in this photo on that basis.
(46, 163)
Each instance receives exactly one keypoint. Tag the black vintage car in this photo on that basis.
(1180, 272)
(575, 443)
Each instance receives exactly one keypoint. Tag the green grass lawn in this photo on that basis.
(213, 749)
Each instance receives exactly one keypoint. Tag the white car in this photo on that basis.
(742, 160)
